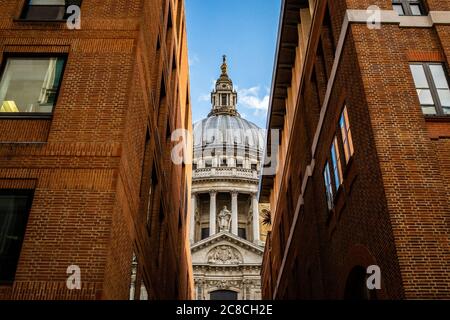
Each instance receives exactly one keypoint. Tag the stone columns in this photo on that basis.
(192, 220)
(255, 212)
(212, 213)
(234, 212)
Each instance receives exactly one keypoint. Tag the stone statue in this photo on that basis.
(224, 219)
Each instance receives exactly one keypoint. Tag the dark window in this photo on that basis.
(14, 210)
(432, 88)
(254, 167)
(223, 295)
(224, 99)
(194, 166)
(409, 7)
(242, 233)
(30, 85)
(42, 10)
(205, 233)
(224, 163)
(208, 163)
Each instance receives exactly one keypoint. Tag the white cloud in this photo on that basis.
(193, 59)
(252, 99)
(204, 97)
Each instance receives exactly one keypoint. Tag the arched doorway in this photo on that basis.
(356, 286)
(223, 295)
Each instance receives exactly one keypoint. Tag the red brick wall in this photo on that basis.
(91, 192)
(393, 207)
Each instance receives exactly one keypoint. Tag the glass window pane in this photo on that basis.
(444, 97)
(13, 219)
(418, 73)
(440, 80)
(399, 9)
(429, 110)
(30, 85)
(415, 9)
(446, 110)
(425, 97)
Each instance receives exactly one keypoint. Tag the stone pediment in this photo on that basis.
(226, 249)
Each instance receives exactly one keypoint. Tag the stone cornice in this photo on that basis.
(231, 238)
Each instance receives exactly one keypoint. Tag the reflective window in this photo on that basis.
(336, 161)
(432, 87)
(328, 186)
(409, 7)
(45, 10)
(30, 85)
(347, 139)
(14, 210)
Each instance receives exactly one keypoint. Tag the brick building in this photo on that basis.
(362, 101)
(85, 139)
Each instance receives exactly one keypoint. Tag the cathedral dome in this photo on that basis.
(224, 125)
(229, 130)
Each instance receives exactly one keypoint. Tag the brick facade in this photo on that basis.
(393, 206)
(93, 162)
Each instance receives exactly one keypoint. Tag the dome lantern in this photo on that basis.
(224, 97)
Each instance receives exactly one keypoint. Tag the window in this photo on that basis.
(336, 161)
(328, 186)
(254, 166)
(409, 7)
(30, 85)
(432, 87)
(242, 233)
(224, 99)
(47, 9)
(347, 140)
(205, 233)
(15, 206)
(224, 163)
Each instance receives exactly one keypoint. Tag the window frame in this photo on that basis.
(30, 197)
(22, 55)
(406, 6)
(432, 87)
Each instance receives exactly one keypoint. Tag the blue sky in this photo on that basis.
(244, 30)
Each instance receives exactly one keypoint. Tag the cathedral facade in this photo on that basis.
(225, 229)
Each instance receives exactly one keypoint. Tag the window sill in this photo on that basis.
(25, 115)
(437, 118)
